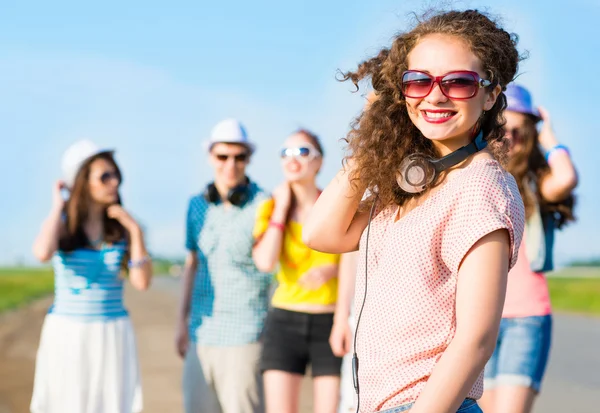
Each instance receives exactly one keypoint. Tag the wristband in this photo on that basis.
(554, 149)
(138, 263)
(277, 225)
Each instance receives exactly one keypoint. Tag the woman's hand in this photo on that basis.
(316, 277)
(282, 195)
(546, 137)
(340, 338)
(58, 202)
(118, 212)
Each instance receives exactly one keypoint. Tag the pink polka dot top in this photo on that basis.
(409, 317)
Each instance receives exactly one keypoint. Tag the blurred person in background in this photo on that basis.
(224, 296)
(546, 179)
(87, 360)
(299, 323)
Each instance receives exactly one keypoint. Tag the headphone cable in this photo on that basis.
(354, 356)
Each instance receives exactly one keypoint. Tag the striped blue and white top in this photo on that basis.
(88, 285)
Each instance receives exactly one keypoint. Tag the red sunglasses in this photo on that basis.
(461, 84)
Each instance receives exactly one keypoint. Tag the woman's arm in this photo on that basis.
(562, 178)
(480, 295)
(341, 332)
(334, 225)
(46, 242)
(140, 268)
(267, 249)
(140, 272)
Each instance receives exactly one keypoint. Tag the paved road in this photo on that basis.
(572, 384)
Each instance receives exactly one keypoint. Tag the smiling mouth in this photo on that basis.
(437, 116)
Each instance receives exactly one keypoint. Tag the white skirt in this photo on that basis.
(86, 367)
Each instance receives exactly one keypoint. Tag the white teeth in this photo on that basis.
(438, 114)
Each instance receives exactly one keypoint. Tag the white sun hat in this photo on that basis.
(76, 155)
(229, 131)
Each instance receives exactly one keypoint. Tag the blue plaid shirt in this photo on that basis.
(230, 295)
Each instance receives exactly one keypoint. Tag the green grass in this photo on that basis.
(576, 291)
(22, 285)
(19, 286)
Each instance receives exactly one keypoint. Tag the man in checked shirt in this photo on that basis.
(225, 298)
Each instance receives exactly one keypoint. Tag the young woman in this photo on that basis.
(298, 326)
(546, 178)
(87, 360)
(447, 222)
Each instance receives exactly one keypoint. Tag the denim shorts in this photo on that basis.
(521, 353)
(468, 406)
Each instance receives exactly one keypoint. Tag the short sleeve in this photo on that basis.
(264, 211)
(482, 207)
(192, 227)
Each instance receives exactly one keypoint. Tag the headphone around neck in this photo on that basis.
(417, 171)
(237, 196)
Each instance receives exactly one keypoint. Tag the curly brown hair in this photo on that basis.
(528, 165)
(383, 135)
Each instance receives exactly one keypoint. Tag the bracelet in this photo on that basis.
(277, 225)
(554, 149)
(138, 263)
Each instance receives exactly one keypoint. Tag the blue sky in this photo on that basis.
(152, 80)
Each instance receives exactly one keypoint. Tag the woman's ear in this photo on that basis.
(491, 98)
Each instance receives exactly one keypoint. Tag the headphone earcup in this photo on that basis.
(238, 195)
(415, 173)
(211, 194)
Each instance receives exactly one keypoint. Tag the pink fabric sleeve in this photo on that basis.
(482, 207)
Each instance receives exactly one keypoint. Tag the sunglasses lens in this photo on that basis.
(459, 85)
(241, 157)
(289, 153)
(304, 152)
(416, 84)
(107, 176)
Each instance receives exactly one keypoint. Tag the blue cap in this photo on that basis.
(518, 99)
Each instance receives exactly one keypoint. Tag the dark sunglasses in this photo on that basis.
(460, 84)
(106, 177)
(240, 157)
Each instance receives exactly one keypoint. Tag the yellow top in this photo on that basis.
(295, 260)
